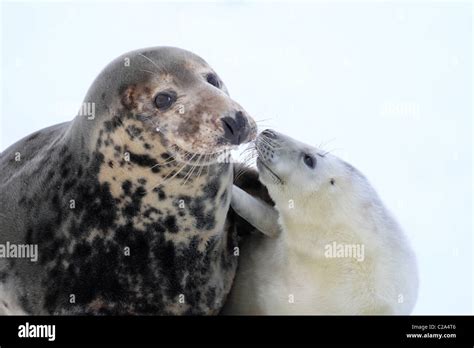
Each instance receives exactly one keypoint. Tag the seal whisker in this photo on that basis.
(248, 151)
(274, 145)
(269, 143)
(164, 163)
(192, 170)
(148, 71)
(324, 143)
(248, 164)
(182, 155)
(264, 119)
(152, 62)
(250, 148)
(249, 154)
(245, 166)
(332, 150)
(208, 168)
(202, 167)
(170, 176)
(250, 158)
(248, 161)
(184, 165)
(244, 169)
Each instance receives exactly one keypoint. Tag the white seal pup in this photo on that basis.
(330, 246)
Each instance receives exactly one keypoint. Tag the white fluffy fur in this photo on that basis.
(290, 274)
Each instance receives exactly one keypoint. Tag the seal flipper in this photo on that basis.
(259, 214)
(247, 179)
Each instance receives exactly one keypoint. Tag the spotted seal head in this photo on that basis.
(127, 203)
(175, 98)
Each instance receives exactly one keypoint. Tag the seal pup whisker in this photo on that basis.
(245, 166)
(263, 146)
(248, 159)
(324, 143)
(249, 155)
(268, 142)
(242, 170)
(331, 151)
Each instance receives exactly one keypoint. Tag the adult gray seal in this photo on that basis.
(127, 203)
(329, 245)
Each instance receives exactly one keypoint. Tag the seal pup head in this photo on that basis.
(304, 180)
(320, 198)
(168, 97)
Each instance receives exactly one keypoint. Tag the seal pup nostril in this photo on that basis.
(269, 134)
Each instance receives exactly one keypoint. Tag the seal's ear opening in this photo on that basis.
(127, 96)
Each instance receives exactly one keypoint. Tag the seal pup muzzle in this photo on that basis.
(329, 246)
(128, 202)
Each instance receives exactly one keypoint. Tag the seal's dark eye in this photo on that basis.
(213, 80)
(164, 100)
(309, 160)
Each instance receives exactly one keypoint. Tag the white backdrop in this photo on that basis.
(388, 86)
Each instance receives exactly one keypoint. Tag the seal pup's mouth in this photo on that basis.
(266, 147)
(263, 167)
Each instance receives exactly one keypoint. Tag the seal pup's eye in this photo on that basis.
(309, 160)
(213, 80)
(164, 100)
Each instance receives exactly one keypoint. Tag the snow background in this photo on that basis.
(388, 87)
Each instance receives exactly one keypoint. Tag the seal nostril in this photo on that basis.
(240, 120)
(235, 128)
(269, 134)
(227, 126)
